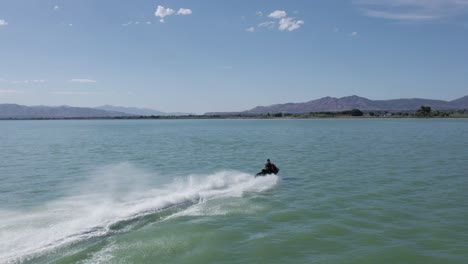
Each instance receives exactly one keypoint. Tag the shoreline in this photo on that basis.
(201, 117)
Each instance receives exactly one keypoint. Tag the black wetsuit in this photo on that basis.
(270, 168)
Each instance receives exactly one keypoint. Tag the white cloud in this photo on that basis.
(184, 11)
(259, 13)
(413, 10)
(268, 24)
(416, 3)
(129, 23)
(399, 16)
(56, 8)
(277, 14)
(71, 93)
(3, 22)
(29, 81)
(283, 22)
(289, 24)
(70, 25)
(8, 91)
(83, 81)
(250, 29)
(162, 12)
(353, 34)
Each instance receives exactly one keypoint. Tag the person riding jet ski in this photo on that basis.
(270, 168)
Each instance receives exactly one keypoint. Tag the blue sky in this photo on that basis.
(200, 56)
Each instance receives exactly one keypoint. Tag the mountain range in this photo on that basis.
(15, 111)
(325, 104)
(22, 112)
(137, 111)
(332, 104)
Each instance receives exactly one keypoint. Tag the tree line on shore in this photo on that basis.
(423, 111)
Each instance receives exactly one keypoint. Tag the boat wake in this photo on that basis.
(114, 195)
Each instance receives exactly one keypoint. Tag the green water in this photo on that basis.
(183, 191)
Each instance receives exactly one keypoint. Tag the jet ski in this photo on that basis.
(264, 172)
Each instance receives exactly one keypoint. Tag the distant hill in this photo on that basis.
(137, 111)
(23, 112)
(332, 104)
(461, 102)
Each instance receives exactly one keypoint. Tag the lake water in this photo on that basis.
(183, 191)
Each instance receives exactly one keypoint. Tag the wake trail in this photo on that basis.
(115, 194)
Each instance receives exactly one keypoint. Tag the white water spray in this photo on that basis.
(113, 194)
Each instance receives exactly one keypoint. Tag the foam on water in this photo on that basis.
(113, 194)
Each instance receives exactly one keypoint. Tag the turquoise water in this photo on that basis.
(183, 191)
